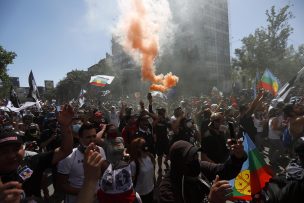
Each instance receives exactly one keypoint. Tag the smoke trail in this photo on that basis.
(142, 28)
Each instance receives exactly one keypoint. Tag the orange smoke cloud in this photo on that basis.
(147, 46)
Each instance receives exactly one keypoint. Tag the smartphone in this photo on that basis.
(232, 132)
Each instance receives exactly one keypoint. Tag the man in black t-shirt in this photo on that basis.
(214, 142)
(161, 128)
(145, 131)
(23, 174)
(246, 119)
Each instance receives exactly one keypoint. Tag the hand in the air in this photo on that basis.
(65, 117)
(220, 191)
(236, 148)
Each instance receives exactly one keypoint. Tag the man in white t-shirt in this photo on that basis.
(275, 132)
(70, 175)
(114, 116)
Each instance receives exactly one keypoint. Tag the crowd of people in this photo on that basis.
(149, 150)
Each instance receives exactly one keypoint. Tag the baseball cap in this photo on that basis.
(9, 137)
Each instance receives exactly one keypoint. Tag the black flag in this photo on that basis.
(33, 93)
(296, 81)
(14, 98)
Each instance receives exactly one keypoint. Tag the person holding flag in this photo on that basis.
(182, 183)
(253, 176)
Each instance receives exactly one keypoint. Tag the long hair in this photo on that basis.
(136, 147)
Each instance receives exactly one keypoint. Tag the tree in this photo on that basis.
(6, 58)
(70, 87)
(268, 47)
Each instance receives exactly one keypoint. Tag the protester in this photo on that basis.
(114, 116)
(246, 120)
(142, 167)
(92, 171)
(182, 182)
(15, 171)
(274, 136)
(294, 114)
(70, 174)
(145, 132)
(161, 128)
(214, 142)
(116, 183)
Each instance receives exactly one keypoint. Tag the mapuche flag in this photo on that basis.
(269, 82)
(101, 80)
(33, 93)
(253, 176)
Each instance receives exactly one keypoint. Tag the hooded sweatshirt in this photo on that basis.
(182, 185)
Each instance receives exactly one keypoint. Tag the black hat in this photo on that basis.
(10, 137)
(182, 151)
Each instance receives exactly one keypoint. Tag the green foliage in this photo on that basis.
(70, 87)
(6, 58)
(268, 47)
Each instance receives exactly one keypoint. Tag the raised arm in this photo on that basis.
(92, 172)
(230, 168)
(257, 101)
(122, 110)
(64, 118)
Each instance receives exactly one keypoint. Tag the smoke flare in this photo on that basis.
(142, 35)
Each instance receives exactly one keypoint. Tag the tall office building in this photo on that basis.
(127, 70)
(201, 55)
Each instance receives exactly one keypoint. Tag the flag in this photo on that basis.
(254, 173)
(101, 80)
(297, 80)
(269, 82)
(22, 107)
(14, 98)
(33, 93)
(81, 98)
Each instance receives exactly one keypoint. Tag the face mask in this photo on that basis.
(76, 128)
(116, 155)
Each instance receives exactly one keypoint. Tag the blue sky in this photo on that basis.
(52, 37)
